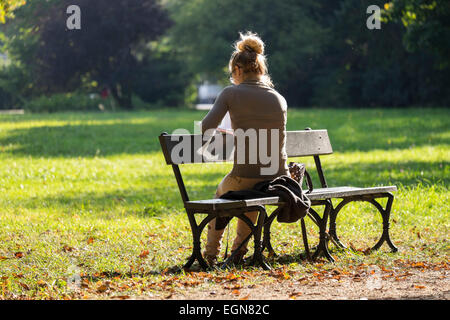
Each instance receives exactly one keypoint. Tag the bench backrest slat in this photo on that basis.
(199, 151)
(298, 144)
(308, 143)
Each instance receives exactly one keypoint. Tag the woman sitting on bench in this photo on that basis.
(252, 103)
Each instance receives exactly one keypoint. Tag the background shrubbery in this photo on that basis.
(64, 101)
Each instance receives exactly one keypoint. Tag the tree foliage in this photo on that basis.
(319, 52)
(104, 49)
(103, 53)
(8, 6)
(427, 25)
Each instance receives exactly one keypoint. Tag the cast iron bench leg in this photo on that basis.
(322, 248)
(266, 239)
(385, 214)
(256, 232)
(196, 234)
(258, 258)
(333, 216)
(305, 240)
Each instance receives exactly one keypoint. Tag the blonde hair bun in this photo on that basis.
(250, 41)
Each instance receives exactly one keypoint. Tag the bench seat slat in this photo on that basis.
(223, 204)
(317, 194)
(342, 192)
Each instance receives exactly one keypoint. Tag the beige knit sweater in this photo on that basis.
(254, 105)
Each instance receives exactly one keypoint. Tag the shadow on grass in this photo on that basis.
(405, 173)
(282, 260)
(143, 203)
(372, 129)
(73, 141)
(162, 196)
(158, 199)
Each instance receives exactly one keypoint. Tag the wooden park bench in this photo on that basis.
(303, 143)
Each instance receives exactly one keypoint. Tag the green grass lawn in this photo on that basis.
(90, 195)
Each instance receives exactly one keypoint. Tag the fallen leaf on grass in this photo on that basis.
(90, 240)
(352, 247)
(419, 287)
(168, 296)
(384, 269)
(245, 298)
(41, 283)
(190, 283)
(67, 249)
(294, 295)
(200, 275)
(3, 258)
(85, 283)
(144, 254)
(280, 275)
(232, 277)
(357, 278)
(236, 292)
(228, 278)
(237, 286)
(19, 255)
(363, 251)
(418, 265)
(336, 272)
(24, 285)
(103, 287)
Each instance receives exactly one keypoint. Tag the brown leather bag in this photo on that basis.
(298, 172)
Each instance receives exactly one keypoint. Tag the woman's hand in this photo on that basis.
(226, 131)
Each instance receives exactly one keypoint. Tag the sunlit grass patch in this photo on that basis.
(90, 194)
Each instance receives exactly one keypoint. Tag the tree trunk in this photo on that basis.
(123, 100)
